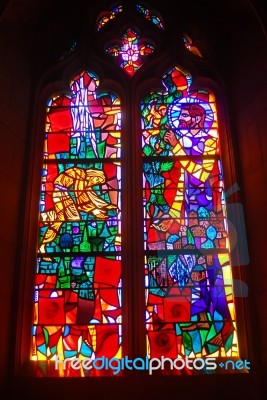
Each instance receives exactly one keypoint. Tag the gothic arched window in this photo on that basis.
(189, 294)
(134, 256)
(78, 277)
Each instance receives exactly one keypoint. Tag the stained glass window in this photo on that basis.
(107, 16)
(151, 15)
(69, 51)
(189, 293)
(185, 254)
(77, 309)
(131, 53)
(190, 46)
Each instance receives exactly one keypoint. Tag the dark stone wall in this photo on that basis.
(233, 38)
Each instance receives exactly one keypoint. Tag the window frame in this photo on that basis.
(131, 92)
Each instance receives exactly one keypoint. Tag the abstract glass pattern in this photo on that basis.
(151, 16)
(131, 53)
(190, 46)
(107, 16)
(77, 309)
(69, 51)
(189, 295)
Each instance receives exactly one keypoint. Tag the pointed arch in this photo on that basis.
(77, 307)
(189, 288)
